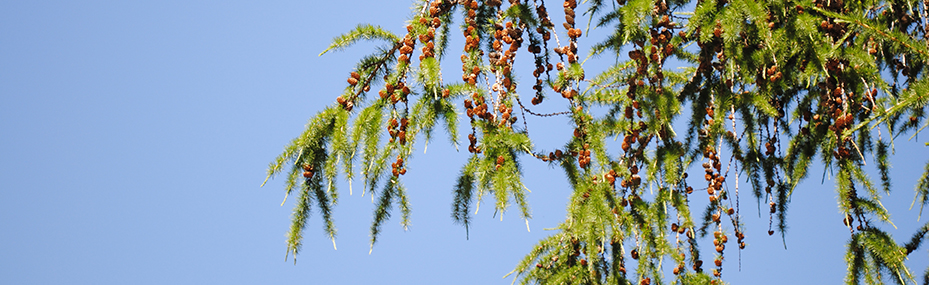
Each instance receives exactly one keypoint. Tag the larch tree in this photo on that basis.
(765, 90)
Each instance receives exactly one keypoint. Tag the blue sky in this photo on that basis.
(134, 136)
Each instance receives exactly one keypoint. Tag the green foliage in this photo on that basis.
(361, 32)
(766, 90)
(872, 252)
(922, 190)
(310, 153)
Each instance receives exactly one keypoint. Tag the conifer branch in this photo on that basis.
(361, 32)
(894, 36)
(803, 82)
(922, 191)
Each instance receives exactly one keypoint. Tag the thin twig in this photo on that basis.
(537, 114)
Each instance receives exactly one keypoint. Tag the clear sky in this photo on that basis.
(134, 136)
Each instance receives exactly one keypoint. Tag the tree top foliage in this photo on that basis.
(765, 89)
